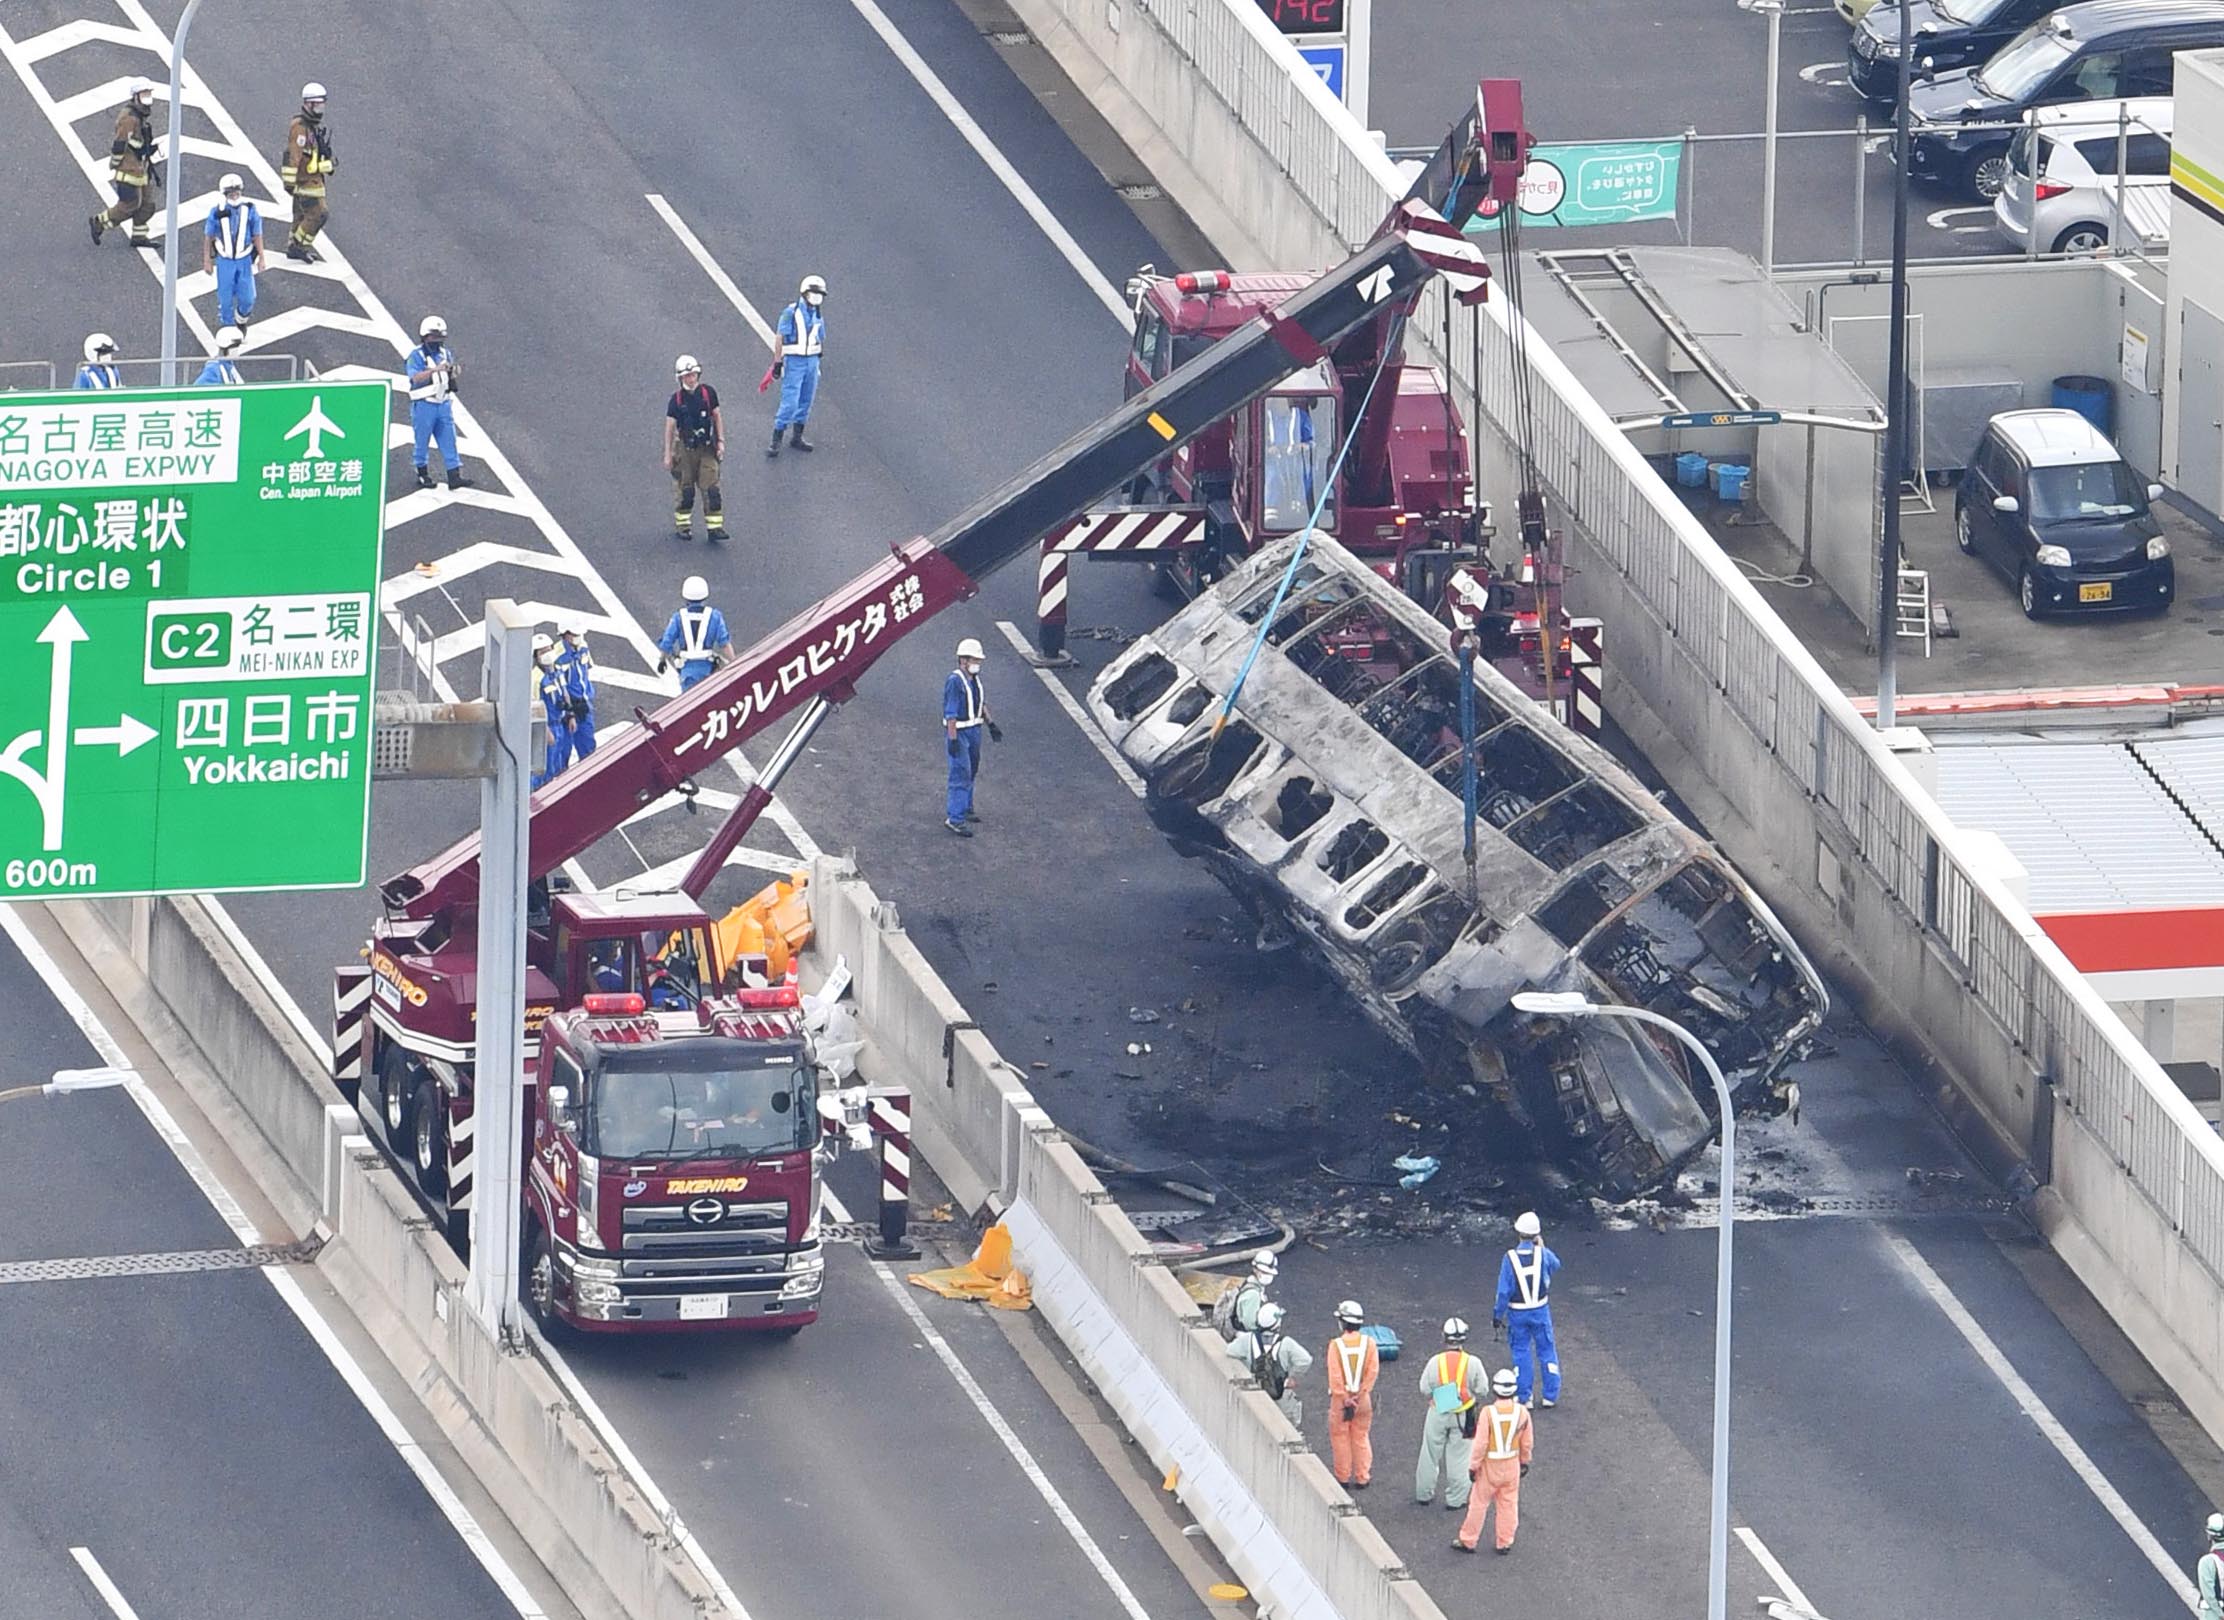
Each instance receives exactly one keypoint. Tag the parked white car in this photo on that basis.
(2061, 180)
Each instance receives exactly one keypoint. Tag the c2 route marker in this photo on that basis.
(188, 615)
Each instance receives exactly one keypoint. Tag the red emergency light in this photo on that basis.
(609, 1003)
(1203, 281)
(778, 995)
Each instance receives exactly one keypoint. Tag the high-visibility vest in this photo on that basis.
(1446, 1374)
(810, 331)
(99, 377)
(694, 634)
(1529, 1291)
(435, 387)
(228, 374)
(973, 705)
(1505, 1431)
(235, 229)
(1351, 1355)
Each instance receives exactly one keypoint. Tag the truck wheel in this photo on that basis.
(393, 1097)
(428, 1141)
(539, 1279)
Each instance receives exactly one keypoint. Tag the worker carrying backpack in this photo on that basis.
(1266, 1367)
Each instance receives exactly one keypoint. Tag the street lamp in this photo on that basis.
(1773, 10)
(71, 1080)
(1574, 1004)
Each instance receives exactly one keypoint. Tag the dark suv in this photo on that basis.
(2049, 502)
(2089, 52)
(1947, 34)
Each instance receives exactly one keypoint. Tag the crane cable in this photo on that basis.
(1391, 340)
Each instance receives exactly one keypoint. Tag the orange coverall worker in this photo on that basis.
(1353, 1365)
(1504, 1440)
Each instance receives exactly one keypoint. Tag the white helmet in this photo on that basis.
(1270, 1317)
(1504, 1381)
(1263, 1264)
(229, 338)
(1527, 1225)
(1455, 1329)
(98, 344)
(542, 643)
(694, 589)
(685, 364)
(2216, 1527)
(1350, 1314)
(231, 182)
(141, 88)
(431, 324)
(312, 91)
(970, 648)
(813, 284)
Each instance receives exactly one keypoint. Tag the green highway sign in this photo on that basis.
(188, 616)
(1596, 183)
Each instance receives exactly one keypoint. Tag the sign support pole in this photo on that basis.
(1359, 22)
(498, 1146)
(174, 152)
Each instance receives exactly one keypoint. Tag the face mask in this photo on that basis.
(814, 299)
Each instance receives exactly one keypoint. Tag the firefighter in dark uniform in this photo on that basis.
(304, 168)
(132, 167)
(694, 445)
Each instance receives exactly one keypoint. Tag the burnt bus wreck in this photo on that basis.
(1331, 803)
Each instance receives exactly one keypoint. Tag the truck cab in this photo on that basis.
(672, 1165)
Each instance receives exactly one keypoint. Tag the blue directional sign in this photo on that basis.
(1328, 62)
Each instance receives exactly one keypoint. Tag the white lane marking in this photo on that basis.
(220, 1198)
(711, 268)
(1827, 73)
(2025, 1397)
(103, 1585)
(998, 164)
(351, 1372)
(1080, 716)
(1939, 218)
(643, 1481)
(1776, 1572)
(900, 1291)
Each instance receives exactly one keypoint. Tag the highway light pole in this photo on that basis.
(176, 156)
(1574, 1004)
(66, 1080)
(1773, 10)
(1895, 407)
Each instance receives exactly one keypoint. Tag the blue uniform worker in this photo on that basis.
(802, 336)
(434, 373)
(220, 370)
(696, 639)
(550, 684)
(1524, 1309)
(100, 369)
(578, 665)
(232, 251)
(964, 717)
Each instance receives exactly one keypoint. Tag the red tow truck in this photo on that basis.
(707, 1216)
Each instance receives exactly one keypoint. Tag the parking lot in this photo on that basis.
(1649, 70)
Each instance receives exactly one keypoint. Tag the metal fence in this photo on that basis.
(1721, 625)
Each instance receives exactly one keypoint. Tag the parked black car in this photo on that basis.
(1947, 33)
(2087, 52)
(2049, 502)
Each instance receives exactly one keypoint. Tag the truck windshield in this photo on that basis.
(678, 1111)
(1300, 448)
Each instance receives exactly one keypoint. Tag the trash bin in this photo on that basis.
(1729, 481)
(1691, 470)
(2090, 397)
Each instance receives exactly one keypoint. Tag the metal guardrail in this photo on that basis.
(1721, 625)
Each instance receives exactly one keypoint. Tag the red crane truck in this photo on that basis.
(622, 1246)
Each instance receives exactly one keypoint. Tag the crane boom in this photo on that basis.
(818, 655)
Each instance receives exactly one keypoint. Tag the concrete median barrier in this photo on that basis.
(1289, 1531)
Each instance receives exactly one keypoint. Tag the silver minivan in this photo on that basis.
(2062, 171)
